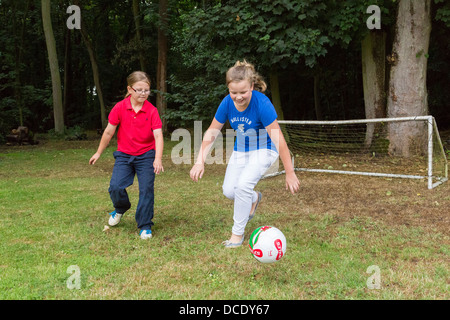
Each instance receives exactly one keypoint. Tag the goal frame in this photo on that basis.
(431, 126)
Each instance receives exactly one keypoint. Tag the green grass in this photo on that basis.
(54, 206)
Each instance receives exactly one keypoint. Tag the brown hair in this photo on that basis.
(243, 70)
(136, 77)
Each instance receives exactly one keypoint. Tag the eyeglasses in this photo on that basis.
(146, 92)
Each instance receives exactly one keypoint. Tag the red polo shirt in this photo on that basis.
(135, 135)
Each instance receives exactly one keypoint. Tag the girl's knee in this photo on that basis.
(243, 190)
(113, 188)
(228, 192)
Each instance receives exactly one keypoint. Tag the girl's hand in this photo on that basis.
(94, 158)
(158, 167)
(292, 183)
(197, 172)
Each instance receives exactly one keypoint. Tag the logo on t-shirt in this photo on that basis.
(241, 119)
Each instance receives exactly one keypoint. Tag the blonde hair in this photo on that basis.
(136, 77)
(243, 70)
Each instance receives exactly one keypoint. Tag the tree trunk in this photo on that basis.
(19, 45)
(317, 105)
(137, 23)
(373, 74)
(161, 85)
(407, 87)
(54, 67)
(95, 70)
(96, 74)
(67, 74)
(276, 99)
(275, 92)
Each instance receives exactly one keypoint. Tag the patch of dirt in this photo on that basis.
(395, 201)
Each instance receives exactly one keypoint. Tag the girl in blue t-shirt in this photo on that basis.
(259, 142)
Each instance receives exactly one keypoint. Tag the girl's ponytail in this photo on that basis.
(243, 70)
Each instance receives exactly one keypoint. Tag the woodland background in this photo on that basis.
(310, 52)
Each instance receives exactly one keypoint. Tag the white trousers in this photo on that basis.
(243, 172)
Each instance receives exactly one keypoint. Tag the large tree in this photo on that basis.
(87, 39)
(407, 94)
(374, 75)
(161, 80)
(54, 67)
(139, 38)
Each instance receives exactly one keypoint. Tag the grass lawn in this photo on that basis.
(54, 207)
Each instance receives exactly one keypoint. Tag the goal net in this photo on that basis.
(362, 147)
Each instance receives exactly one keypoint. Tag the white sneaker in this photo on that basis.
(115, 218)
(145, 234)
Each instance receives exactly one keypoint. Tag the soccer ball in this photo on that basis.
(267, 244)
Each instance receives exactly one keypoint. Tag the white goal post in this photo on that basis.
(361, 147)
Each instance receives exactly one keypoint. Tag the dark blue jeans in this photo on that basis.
(125, 168)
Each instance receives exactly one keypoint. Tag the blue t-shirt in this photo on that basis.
(249, 124)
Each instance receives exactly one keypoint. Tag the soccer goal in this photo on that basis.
(362, 147)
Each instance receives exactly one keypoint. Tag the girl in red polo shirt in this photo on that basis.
(139, 152)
